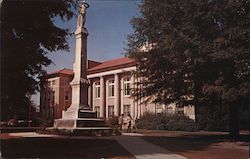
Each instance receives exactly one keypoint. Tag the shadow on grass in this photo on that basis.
(186, 143)
(62, 148)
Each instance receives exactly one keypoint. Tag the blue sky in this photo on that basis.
(108, 26)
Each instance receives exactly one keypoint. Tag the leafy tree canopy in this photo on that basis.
(28, 34)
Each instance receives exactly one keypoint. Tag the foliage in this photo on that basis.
(28, 33)
(193, 51)
(164, 69)
(112, 122)
(214, 118)
(166, 122)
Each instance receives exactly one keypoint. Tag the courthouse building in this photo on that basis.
(108, 94)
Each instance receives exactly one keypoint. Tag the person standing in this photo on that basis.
(129, 120)
(120, 121)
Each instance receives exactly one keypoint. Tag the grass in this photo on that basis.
(200, 145)
(66, 147)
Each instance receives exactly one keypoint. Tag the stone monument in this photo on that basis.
(79, 115)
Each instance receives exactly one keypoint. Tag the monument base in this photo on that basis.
(82, 119)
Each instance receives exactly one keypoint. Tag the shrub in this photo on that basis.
(213, 118)
(244, 118)
(166, 122)
(113, 124)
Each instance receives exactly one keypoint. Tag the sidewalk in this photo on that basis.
(37, 135)
(142, 149)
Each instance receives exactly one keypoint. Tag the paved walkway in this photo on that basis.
(141, 149)
(37, 135)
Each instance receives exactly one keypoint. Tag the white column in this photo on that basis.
(132, 103)
(122, 94)
(140, 100)
(106, 99)
(90, 97)
(103, 97)
(136, 102)
(117, 95)
(93, 96)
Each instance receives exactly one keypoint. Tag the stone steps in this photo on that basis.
(94, 128)
(86, 114)
(90, 123)
(86, 123)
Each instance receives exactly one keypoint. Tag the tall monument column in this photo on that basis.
(80, 82)
(79, 116)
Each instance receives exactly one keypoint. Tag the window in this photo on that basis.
(49, 83)
(158, 108)
(111, 88)
(67, 95)
(45, 97)
(48, 97)
(110, 110)
(126, 110)
(45, 84)
(53, 97)
(97, 109)
(169, 110)
(97, 90)
(66, 82)
(127, 88)
(53, 82)
(180, 111)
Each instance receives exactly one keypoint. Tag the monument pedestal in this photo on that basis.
(80, 120)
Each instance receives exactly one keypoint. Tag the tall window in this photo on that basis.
(180, 111)
(158, 108)
(48, 98)
(127, 83)
(169, 110)
(97, 109)
(111, 88)
(126, 110)
(66, 82)
(53, 82)
(53, 98)
(110, 110)
(97, 90)
(67, 95)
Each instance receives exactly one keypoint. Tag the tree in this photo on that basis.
(161, 53)
(196, 48)
(28, 35)
(229, 81)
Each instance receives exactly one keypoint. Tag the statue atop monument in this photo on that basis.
(82, 14)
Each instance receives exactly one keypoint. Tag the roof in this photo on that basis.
(98, 67)
(64, 71)
(112, 65)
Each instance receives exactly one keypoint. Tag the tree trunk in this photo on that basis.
(234, 121)
(196, 103)
(197, 90)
